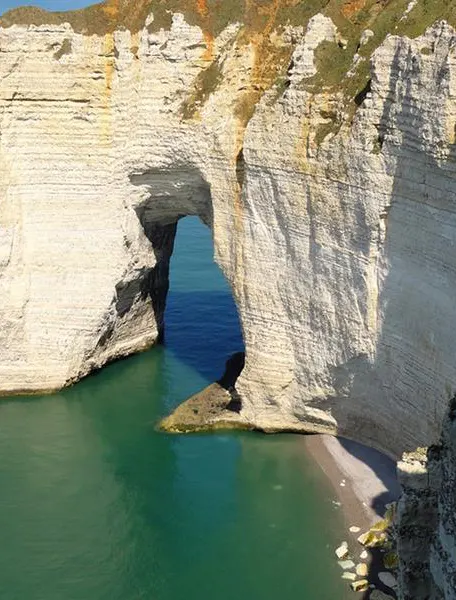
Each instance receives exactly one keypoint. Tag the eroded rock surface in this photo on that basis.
(427, 519)
(319, 149)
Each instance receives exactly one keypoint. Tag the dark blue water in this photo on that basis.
(95, 504)
(202, 325)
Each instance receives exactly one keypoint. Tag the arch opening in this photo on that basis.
(195, 311)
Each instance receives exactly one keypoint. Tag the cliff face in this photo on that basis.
(319, 149)
(427, 519)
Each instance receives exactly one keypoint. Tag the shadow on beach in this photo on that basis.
(365, 482)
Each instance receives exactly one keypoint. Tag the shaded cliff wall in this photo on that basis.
(427, 519)
(417, 520)
(332, 208)
(443, 548)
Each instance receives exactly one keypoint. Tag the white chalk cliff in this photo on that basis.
(318, 145)
(317, 140)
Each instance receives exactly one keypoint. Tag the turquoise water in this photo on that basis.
(95, 504)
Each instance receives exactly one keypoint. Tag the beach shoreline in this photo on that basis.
(364, 482)
(363, 479)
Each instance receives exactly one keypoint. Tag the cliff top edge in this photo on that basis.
(258, 16)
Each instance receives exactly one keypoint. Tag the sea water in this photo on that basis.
(96, 504)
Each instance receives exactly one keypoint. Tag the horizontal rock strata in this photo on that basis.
(318, 146)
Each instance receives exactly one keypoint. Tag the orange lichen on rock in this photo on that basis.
(351, 7)
(202, 8)
(203, 11)
(111, 9)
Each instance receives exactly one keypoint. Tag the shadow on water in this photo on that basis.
(97, 505)
(202, 327)
(202, 330)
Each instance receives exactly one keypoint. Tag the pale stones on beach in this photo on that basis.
(360, 586)
(342, 551)
(362, 570)
(346, 565)
(364, 554)
(364, 538)
(342, 483)
(387, 579)
(355, 529)
(373, 538)
(349, 576)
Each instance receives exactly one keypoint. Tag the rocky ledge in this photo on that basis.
(216, 407)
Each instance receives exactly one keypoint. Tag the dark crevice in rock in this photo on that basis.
(155, 283)
(149, 282)
(240, 168)
(452, 411)
(65, 48)
(362, 95)
(127, 292)
(234, 366)
(106, 335)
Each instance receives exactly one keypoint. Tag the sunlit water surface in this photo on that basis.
(95, 504)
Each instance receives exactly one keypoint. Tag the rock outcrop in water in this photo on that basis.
(318, 148)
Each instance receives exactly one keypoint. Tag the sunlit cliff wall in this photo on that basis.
(316, 139)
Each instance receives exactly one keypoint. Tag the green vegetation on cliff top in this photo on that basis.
(350, 16)
(259, 19)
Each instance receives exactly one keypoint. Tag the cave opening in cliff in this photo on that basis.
(202, 326)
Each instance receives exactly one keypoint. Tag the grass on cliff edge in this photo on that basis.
(350, 16)
(334, 60)
(211, 15)
(259, 19)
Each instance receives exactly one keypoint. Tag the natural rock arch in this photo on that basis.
(166, 196)
(103, 147)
